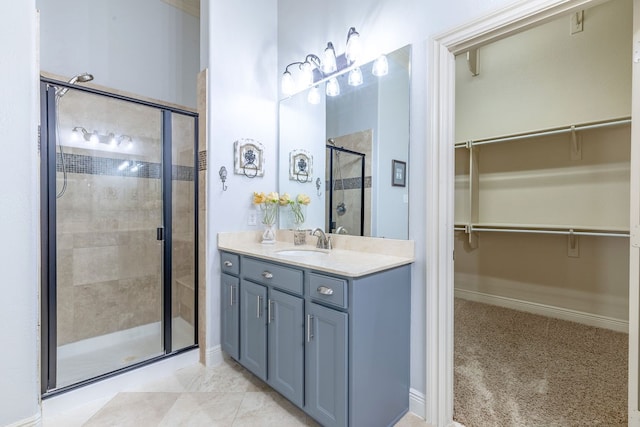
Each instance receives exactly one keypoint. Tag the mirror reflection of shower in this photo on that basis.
(345, 186)
(341, 208)
(60, 92)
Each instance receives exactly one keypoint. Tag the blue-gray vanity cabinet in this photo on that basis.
(326, 365)
(272, 326)
(286, 345)
(253, 328)
(335, 346)
(230, 318)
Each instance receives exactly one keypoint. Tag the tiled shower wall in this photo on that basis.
(109, 261)
(351, 170)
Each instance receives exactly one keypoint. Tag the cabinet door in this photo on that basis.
(253, 328)
(326, 365)
(286, 345)
(230, 316)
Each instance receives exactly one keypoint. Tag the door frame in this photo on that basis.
(439, 193)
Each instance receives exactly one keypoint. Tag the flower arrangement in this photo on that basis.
(296, 206)
(268, 204)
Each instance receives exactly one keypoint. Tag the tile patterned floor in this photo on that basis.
(226, 395)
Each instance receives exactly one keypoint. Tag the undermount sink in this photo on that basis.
(302, 252)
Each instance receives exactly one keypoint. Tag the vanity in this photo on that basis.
(327, 329)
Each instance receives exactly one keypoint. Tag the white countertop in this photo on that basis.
(351, 256)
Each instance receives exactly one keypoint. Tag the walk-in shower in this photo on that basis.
(345, 175)
(119, 234)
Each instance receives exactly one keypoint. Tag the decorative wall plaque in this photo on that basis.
(248, 159)
(300, 166)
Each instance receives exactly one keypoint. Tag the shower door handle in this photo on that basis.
(160, 233)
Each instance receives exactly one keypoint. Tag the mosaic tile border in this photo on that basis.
(349, 183)
(89, 165)
(202, 160)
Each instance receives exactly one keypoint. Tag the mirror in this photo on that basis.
(350, 153)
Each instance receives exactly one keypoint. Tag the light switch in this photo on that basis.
(253, 219)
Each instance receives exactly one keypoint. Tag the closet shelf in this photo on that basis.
(546, 132)
(544, 229)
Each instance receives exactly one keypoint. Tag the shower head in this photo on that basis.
(331, 141)
(80, 78)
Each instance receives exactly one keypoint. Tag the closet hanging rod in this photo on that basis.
(559, 232)
(569, 129)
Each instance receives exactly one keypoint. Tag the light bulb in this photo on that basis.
(135, 168)
(288, 85)
(355, 77)
(354, 46)
(307, 74)
(333, 87)
(314, 96)
(112, 140)
(380, 66)
(94, 138)
(123, 165)
(329, 63)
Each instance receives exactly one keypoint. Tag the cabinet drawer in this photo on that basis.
(230, 263)
(277, 276)
(328, 289)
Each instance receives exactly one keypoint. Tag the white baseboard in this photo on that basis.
(32, 421)
(417, 403)
(213, 356)
(589, 319)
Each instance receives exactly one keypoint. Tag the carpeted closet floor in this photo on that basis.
(519, 369)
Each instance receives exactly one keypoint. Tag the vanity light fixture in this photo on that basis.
(314, 69)
(380, 66)
(110, 138)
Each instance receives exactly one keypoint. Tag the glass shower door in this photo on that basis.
(108, 218)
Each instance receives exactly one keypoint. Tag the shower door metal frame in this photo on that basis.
(331, 183)
(48, 317)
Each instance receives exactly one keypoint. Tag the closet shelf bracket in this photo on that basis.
(473, 62)
(472, 235)
(576, 144)
(573, 247)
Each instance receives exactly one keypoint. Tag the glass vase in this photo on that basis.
(269, 234)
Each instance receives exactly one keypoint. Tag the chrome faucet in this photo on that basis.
(341, 230)
(324, 241)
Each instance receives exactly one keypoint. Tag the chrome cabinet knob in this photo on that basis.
(228, 264)
(267, 275)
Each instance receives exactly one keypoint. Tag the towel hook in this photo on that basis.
(223, 177)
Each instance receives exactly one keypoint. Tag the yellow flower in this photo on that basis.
(259, 198)
(272, 197)
(285, 199)
(303, 199)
